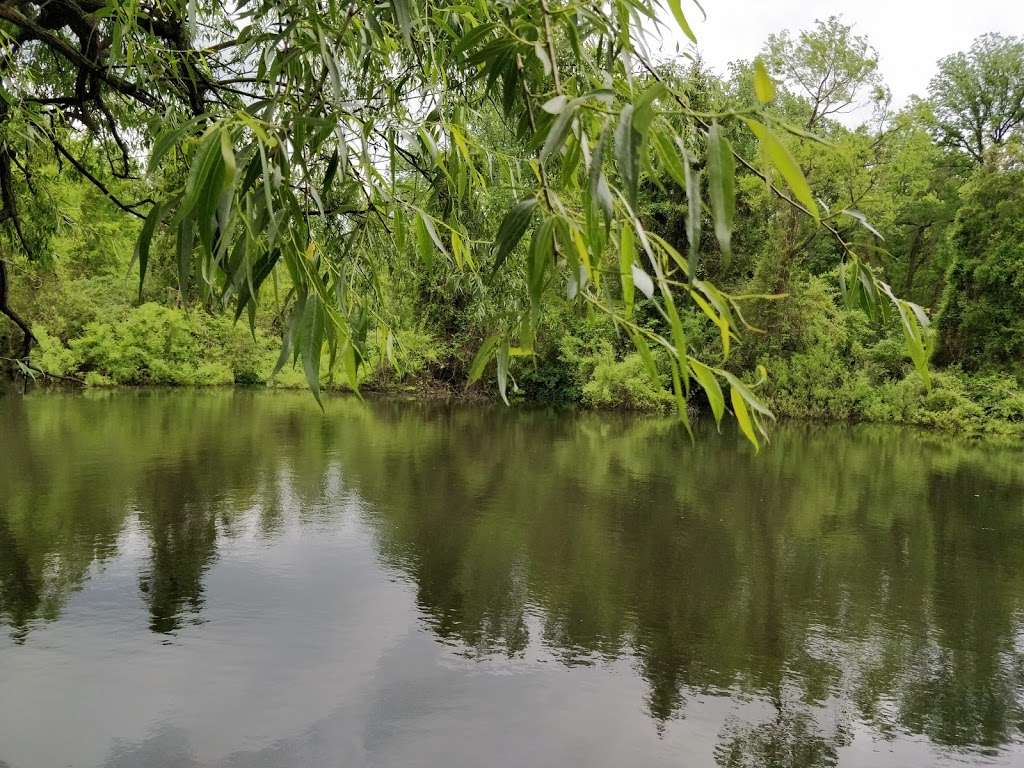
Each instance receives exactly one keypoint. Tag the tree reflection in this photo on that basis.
(877, 567)
(791, 739)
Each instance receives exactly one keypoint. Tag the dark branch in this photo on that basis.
(80, 167)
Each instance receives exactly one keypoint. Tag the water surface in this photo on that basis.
(236, 579)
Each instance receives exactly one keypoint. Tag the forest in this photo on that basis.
(534, 214)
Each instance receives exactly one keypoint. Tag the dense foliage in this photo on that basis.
(408, 193)
(981, 323)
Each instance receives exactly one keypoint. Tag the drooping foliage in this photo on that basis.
(335, 148)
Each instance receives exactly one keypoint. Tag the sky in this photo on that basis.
(909, 35)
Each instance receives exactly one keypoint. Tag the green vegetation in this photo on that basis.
(598, 229)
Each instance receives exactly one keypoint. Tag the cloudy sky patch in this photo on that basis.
(910, 35)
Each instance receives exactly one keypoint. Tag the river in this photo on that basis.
(234, 578)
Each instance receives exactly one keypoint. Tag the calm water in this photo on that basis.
(235, 579)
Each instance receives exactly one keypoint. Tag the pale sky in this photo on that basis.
(910, 35)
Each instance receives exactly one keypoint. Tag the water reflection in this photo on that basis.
(849, 581)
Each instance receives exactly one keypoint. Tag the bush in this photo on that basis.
(830, 363)
(624, 383)
(153, 344)
(407, 356)
(51, 355)
(888, 359)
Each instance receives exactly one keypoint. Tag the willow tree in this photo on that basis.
(278, 137)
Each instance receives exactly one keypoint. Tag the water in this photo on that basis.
(235, 579)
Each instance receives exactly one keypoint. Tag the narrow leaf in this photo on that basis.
(643, 281)
(777, 154)
(677, 11)
(558, 131)
(627, 153)
(481, 359)
(693, 213)
(709, 382)
(764, 88)
(644, 351)
(403, 17)
(627, 252)
(145, 239)
(739, 409)
(722, 172)
(512, 229)
(501, 356)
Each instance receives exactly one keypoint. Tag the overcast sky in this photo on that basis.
(910, 35)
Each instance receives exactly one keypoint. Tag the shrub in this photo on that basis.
(624, 383)
(153, 344)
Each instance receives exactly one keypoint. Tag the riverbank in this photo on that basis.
(833, 368)
(987, 409)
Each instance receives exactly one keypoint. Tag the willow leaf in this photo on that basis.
(722, 179)
(780, 157)
(512, 229)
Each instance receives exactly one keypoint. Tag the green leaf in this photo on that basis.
(678, 338)
(332, 170)
(555, 105)
(709, 382)
(722, 173)
(558, 131)
(249, 290)
(643, 281)
(142, 245)
(428, 225)
(541, 52)
(403, 17)
(677, 391)
(764, 88)
(164, 142)
(600, 194)
(399, 230)
(693, 213)
(627, 253)
(644, 351)
(853, 213)
(512, 229)
(186, 240)
(627, 159)
(677, 11)
(643, 106)
(540, 255)
(313, 337)
(780, 157)
(205, 177)
(748, 395)
(424, 248)
(501, 356)
(482, 358)
(739, 409)
(671, 158)
(471, 38)
(350, 362)
(227, 152)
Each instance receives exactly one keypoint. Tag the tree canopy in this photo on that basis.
(320, 144)
(979, 95)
